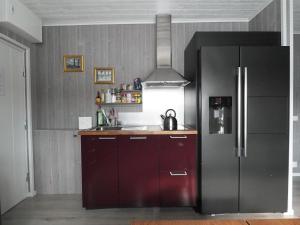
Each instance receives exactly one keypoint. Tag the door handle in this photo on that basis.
(138, 138)
(178, 174)
(178, 137)
(106, 138)
(245, 110)
(239, 112)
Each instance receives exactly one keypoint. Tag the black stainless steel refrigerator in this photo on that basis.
(242, 96)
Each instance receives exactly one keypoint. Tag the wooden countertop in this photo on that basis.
(274, 222)
(190, 222)
(220, 222)
(137, 130)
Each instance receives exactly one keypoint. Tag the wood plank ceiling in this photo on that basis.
(68, 12)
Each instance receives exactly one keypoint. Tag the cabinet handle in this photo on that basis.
(138, 138)
(178, 174)
(245, 110)
(239, 112)
(178, 137)
(106, 138)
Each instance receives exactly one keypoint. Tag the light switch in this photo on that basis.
(295, 164)
(84, 123)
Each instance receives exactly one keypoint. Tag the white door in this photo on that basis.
(13, 135)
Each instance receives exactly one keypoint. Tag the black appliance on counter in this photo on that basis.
(170, 122)
(239, 101)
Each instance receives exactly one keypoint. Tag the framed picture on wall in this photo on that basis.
(73, 63)
(104, 75)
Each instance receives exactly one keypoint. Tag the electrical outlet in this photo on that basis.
(296, 118)
(295, 164)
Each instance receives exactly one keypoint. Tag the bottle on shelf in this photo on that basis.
(100, 118)
(113, 96)
(108, 96)
(98, 98)
(137, 83)
(102, 94)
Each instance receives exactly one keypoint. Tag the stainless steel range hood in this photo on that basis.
(164, 75)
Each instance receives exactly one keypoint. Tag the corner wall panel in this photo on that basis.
(57, 162)
(269, 19)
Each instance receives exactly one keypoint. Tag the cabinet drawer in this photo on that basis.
(177, 188)
(96, 141)
(94, 144)
(177, 152)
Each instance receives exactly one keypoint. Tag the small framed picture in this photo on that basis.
(73, 63)
(104, 75)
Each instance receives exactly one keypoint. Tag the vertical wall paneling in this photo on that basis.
(57, 162)
(59, 98)
(297, 100)
(269, 19)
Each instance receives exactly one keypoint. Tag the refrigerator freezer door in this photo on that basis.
(219, 163)
(264, 172)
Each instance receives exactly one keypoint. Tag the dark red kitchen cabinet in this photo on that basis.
(177, 188)
(138, 171)
(177, 152)
(177, 166)
(99, 171)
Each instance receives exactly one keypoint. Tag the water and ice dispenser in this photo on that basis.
(220, 115)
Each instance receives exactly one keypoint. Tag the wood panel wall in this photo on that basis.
(59, 98)
(297, 100)
(57, 160)
(269, 19)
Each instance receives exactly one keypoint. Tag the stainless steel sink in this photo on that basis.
(134, 128)
(108, 128)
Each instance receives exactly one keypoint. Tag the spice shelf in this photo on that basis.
(120, 104)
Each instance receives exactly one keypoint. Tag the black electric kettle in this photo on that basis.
(170, 122)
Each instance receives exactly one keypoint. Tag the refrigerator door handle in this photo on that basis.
(239, 112)
(245, 110)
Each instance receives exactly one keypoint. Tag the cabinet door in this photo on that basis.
(177, 188)
(138, 171)
(99, 171)
(218, 162)
(264, 172)
(177, 157)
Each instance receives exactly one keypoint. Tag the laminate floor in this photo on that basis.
(67, 210)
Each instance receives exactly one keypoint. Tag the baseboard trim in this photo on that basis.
(289, 213)
(31, 194)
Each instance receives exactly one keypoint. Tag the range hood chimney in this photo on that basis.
(164, 75)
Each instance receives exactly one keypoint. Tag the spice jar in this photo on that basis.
(128, 97)
(118, 96)
(123, 98)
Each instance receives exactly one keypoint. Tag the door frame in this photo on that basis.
(30, 164)
(287, 39)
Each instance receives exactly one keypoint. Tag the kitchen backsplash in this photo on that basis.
(155, 103)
